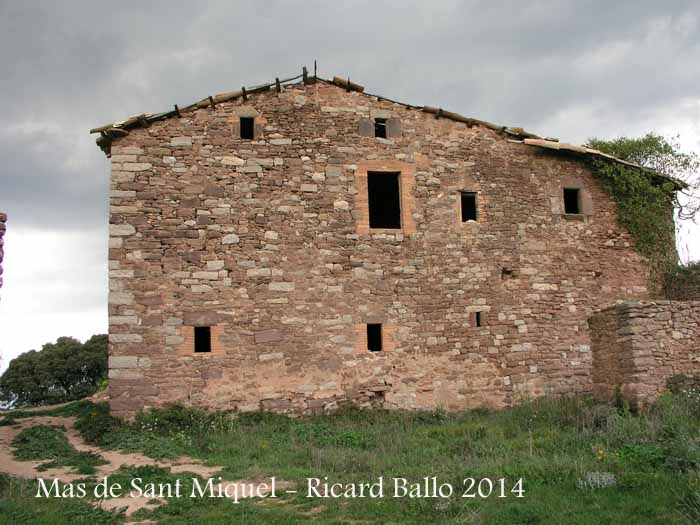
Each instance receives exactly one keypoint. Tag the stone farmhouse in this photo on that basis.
(303, 244)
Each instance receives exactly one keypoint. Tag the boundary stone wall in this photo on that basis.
(638, 346)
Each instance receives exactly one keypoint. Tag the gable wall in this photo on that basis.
(265, 240)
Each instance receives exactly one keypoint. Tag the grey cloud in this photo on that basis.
(72, 65)
(40, 188)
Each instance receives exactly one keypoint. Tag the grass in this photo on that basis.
(48, 442)
(18, 505)
(558, 447)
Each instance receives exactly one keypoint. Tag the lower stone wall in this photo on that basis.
(386, 379)
(638, 346)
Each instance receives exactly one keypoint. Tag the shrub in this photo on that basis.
(96, 423)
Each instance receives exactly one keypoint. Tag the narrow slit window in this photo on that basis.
(374, 337)
(571, 201)
(384, 200)
(380, 128)
(202, 339)
(469, 209)
(477, 319)
(247, 128)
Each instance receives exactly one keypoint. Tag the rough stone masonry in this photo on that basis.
(639, 346)
(246, 273)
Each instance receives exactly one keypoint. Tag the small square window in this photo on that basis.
(202, 339)
(469, 208)
(572, 201)
(380, 128)
(384, 200)
(374, 337)
(247, 128)
(478, 319)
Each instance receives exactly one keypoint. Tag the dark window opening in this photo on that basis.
(508, 273)
(571, 201)
(384, 200)
(202, 339)
(468, 206)
(477, 319)
(380, 128)
(247, 128)
(374, 337)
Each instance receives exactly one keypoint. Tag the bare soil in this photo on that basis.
(114, 459)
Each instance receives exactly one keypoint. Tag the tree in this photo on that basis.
(60, 371)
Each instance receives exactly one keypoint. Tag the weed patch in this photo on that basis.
(46, 442)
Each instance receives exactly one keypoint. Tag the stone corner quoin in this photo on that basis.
(247, 273)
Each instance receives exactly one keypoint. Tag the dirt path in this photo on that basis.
(114, 459)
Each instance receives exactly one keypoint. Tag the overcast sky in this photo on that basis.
(570, 69)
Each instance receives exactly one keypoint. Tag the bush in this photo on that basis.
(174, 419)
(96, 423)
(682, 282)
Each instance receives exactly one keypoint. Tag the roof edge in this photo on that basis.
(114, 130)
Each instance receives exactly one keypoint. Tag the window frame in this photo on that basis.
(202, 339)
(187, 347)
(387, 174)
(407, 201)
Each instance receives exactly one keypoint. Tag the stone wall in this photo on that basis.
(638, 346)
(267, 242)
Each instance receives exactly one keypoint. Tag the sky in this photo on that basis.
(569, 69)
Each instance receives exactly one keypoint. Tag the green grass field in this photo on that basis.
(581, 462)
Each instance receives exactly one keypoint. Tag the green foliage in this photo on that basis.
(19, 505)
(646, 198)
(96, 423)
(650, 460)
(652, 151)
(645, 209)
(62, 371)
(47, 442)
(682, 282)
(641, 456)
(173, 419)
(319, 433)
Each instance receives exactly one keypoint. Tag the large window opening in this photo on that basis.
(469, 212)
(374, 337)
(247, 128)
(571, 201)
(384, 200)
(202, 339)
